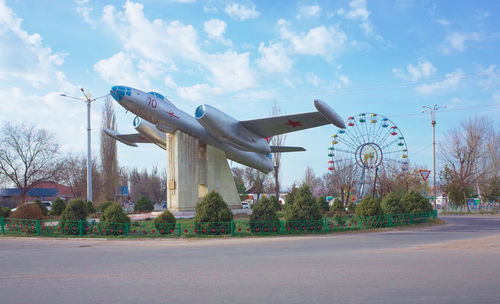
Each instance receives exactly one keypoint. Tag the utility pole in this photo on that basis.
(88, 101)
(433, 123)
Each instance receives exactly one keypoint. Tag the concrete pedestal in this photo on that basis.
(193, 170)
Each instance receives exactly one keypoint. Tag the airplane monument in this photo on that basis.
(198, 147)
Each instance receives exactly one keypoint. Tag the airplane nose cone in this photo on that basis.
(117, 92)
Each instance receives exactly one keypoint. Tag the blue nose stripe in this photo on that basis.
(117, 92)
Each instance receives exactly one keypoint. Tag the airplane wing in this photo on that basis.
(286, 149)
(128, 139)
(276, 125)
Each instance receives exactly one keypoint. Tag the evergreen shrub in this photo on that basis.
(264, 217)
(213, 215)
(351, 207)
(165, 222)
(392, 204)
(323, 204)
(275, 202)
(416, 202)
(304, 212)
(4, 211)
(58, 206)
(114, 219)
(74, 212)
(103, 206)
(368, 206)
(143, 204)
(90, 207)
(337, 206)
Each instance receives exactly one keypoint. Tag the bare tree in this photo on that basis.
(277, 140)
(315, 183)
(27, 156)
(109, 160)
(463, 152)
(73, 174)
(146, 184)
(343, 179)
(238, 176)
(256, 181)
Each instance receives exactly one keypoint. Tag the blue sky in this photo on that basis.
(386, 57)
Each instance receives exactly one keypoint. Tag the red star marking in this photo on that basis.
(171, 114)
(268, 139)
(293, 124)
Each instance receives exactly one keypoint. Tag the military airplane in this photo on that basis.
(246, 142)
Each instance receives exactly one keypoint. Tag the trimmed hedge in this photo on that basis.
(304, 206)
(58, 206)
(369, 206)
(165, 222)
(143, 204)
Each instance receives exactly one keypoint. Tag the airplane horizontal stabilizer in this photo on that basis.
(128, 139)
(286, 149)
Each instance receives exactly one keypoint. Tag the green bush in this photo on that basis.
(351, 207)
(58, 206)
(114, 220)
(28, 211)
(143, 204)
(4, 211)
(275, 202)
(304, 207)
(337, 206)
(103, 206)
(114, 214)
(75, 211)
(42, 207)
(90, 207)
(214, 210)
(415, 202)
(392, 204)
(165, 222)
(368, 206)
(264, 211)
(322, 204)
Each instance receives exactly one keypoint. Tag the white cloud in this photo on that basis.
(359, 11)
(424, 69)
(84, 10)
(344, 80)
(451, 80)
(215, 30)
(322, 41)
(313, 79)
(309, 11)
(241, 11)
(120, 69)
(442, 22)
(162, 43)
(457, 41)
(24, 56)
(274, 58)
(230, 71)
(198, 93)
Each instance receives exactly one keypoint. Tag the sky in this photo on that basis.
(360, 56)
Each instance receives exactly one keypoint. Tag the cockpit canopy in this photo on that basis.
(158, 95)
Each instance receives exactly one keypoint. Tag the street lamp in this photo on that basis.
(433, 123)
(87, 100)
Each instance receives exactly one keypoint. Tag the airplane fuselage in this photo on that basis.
(165, 116)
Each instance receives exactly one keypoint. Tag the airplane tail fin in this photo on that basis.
(286, 149)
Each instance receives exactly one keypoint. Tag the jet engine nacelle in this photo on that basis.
(150, 131)
(229, 130)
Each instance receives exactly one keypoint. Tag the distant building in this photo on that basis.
(44, 191)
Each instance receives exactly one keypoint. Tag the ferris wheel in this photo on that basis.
(370, 147)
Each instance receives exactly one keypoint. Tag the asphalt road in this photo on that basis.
(454, 263)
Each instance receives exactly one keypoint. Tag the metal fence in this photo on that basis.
(90, 228)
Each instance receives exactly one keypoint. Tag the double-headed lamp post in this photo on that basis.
(433, 110)
(87, 100)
